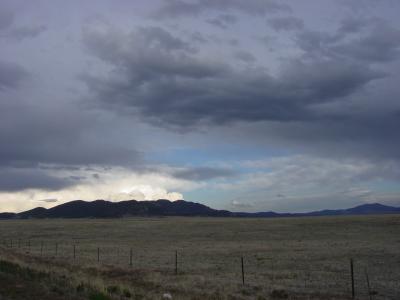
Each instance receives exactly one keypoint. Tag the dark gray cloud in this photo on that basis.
(59, 135)
(313, 100)
(11, 75)
(223, 21)
(178, 8)
(355, 25)
(374, 137)
(203, 173)
(9, 28)
(60, 152)
(199, 38)
(17, 179)
(6, 18)
(317, 43)
(327, 87)
(244, 56)
(361, 5)
(267, 40)
(169, 85)
(41, 135)
(22, 32)
(151, 51)
(376, 41)
(286, 23)
(381, 44)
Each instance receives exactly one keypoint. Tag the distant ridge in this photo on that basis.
(107, 209)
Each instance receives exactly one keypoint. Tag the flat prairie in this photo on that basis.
(201, 258)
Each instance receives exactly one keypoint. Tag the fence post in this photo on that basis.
(130, 257)
(19, 243)
(74, 252)
(11, 243)
(368, 285)
(29, 246)
(41, 248)
(352, 279)
(242, 270)
(98, 254)
(176, 262)
(56, 249)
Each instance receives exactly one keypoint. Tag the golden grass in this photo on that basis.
(306, 258)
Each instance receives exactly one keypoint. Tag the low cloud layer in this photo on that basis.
(203, 173)
(16, 179)
(296, 183)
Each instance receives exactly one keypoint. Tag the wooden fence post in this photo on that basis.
(368, 285)
(242, 271)
(130, 257)
(41, 248)
(98, 254)
(176, 262)
(74, 252)
(56, 249)
(352, 279)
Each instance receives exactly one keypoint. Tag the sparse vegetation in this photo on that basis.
(298, 258)
(98, 296)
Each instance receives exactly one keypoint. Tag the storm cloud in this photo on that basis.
(189, 99)
(183, 89)
(315, 97)
(16, 179)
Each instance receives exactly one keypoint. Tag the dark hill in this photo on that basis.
(365, 209)
(106, 209)
(7, 215)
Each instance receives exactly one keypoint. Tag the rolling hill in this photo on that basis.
(107, 209)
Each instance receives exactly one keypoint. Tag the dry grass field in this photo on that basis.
(286, 258)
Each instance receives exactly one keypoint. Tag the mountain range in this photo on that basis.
(107, 209)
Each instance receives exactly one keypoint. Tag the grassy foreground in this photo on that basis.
(293, 258)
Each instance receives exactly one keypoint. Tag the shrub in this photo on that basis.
(99, 296)
(80, 288)
(113, 289)
(127, 293)
(279, 294)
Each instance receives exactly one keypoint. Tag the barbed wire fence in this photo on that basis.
(350, 277)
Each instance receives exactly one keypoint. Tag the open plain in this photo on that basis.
(201, 258)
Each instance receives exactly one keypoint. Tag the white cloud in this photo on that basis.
(114, 184)
(304, 170)
(309, 183)
(145, 192)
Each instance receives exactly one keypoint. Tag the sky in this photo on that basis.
(251, 105)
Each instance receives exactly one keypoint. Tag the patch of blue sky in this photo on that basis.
(227, 154)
